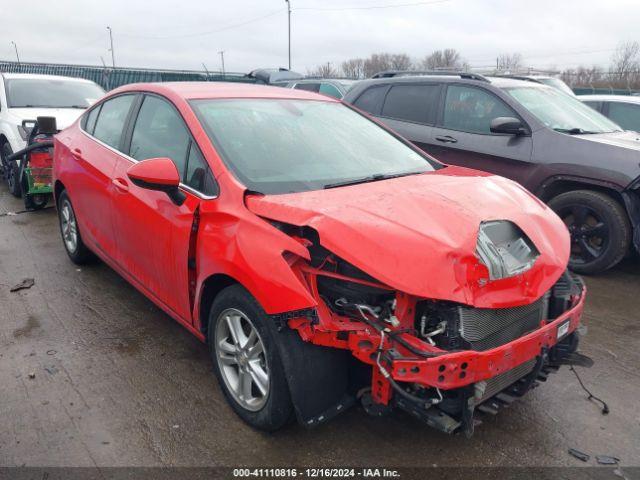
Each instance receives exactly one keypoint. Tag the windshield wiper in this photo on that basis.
(370, 178)
(575, 131)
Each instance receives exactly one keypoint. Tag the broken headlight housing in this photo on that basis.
(505, 249)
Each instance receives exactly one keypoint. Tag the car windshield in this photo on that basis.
(347, 84)
(557, 83)
(561, 112)
(287, 145)
(51, 93)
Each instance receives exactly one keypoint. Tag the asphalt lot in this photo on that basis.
(118, 383)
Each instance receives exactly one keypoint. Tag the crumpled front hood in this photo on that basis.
(418, 234)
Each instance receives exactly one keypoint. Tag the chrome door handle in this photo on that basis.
(446, 139)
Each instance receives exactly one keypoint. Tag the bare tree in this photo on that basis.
(448, 58)
(625, 63)
(353, 68)
(377, 62)
(400, 61)
(324, 70)
(584, 76)
(511, 62)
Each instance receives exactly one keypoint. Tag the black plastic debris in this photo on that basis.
(579, 455)
(24, 284)
(607, 460)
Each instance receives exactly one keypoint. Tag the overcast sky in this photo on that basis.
(253, 33)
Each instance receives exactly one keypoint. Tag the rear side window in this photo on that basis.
(310, 87)
(160, 132)
(371, 100)
(110, 123)
(625, 114)
(414, 103)
(328, 89)
(469, 109)
(90, 120)
(595, 105)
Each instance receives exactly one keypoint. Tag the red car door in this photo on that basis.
(153, 233)
(90, 156)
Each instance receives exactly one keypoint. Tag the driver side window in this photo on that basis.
(159, 131)
(469, 109)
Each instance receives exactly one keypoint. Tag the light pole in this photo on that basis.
(221, 52)
(16, 49)
(113, 55)
(289, 24)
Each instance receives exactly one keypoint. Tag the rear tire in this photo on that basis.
(246, 360)
(36, 202)
(71, 239)
(13, 179)
(599, 228)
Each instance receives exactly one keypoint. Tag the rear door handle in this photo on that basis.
(446, 139)
(77, 154)
(120, 185)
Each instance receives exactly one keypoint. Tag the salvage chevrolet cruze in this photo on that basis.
(323, 258)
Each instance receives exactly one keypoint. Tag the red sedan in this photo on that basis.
(322, 258)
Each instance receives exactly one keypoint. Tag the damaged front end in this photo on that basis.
(439, 360)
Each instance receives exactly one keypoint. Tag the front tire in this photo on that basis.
(599, 228)
(71, 239)
(246, 360)
(5, 151)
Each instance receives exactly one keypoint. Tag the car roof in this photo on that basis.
(500, 82)
(506, 82)
(37, 76)
(217, 90)
(610, 98)
(329, 80)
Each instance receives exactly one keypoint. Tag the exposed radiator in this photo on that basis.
(502, 381)
(486, 328)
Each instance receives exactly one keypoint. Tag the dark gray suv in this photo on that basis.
(575, 159)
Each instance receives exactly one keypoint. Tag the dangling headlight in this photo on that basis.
(504, 249)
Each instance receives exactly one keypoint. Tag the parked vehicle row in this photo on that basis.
(333, 87)
(24, 98)
(570, 156)
(322, 257)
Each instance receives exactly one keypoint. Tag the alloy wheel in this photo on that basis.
(69, 226)
(589, 233)
(242, 359)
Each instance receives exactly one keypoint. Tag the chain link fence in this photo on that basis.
(110, 78)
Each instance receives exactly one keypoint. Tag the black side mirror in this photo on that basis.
(507, 125)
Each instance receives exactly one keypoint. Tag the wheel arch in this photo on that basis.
(555, 186)
(58, 188)
(210, 289)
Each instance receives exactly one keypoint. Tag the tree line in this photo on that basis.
(623, 70)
